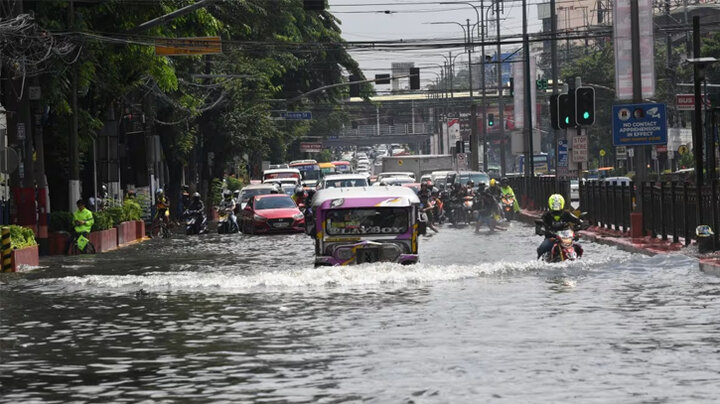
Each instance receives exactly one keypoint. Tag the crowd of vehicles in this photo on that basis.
(357, 216)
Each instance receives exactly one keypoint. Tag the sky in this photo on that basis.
(375, 20)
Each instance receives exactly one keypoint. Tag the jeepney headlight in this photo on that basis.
(390, 252)
(344, 253)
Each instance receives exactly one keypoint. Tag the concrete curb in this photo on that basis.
(646, 245)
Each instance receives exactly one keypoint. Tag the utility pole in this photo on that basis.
(640, 158)
(528, 123)
(482, 83)
(474, 159)
(74, 180)
(698, 69)
(501, 104)
(553, 52)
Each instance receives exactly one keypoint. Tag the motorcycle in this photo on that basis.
(195, 222)
(564, 246)
(507, 203)
(456, 212)
(227, 223)
(467, 205)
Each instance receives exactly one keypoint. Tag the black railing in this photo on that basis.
(671, 209)
(608, 204)
(533, 195)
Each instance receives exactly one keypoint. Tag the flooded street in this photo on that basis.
(239, 318)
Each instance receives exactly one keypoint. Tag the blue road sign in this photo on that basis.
(296, 115)
(562, 153)
(639, 124)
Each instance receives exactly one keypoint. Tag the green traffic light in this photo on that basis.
(567, 120)
(586, 115)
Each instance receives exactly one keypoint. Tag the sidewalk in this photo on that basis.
(709, 263)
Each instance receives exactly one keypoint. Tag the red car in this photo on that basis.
(271, 213)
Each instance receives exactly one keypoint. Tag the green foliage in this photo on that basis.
(324, 156)
(131, 210)
(686, 160)
(61, 221)
(216, 187)
(21, 237)
(103, 221)
(116, 213)
(233, 183)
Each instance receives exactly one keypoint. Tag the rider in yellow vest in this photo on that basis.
(82, 219)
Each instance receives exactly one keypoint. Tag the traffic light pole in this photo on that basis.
(636, 218)
(501, 104)
(474, 158)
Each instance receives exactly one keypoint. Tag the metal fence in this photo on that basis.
(534, 194)
(670, 209)
(608, 204)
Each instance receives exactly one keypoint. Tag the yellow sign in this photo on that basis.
(602, 152)
(399, 162)
(188, 46)
(683, 149)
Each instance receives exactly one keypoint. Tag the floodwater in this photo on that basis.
(238, 318)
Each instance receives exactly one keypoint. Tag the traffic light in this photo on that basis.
(554, 111)
(491, 119)
(566, 110)
(585, 106)
(459, 146)
(354, 88)
(414, 78)
(314, 5)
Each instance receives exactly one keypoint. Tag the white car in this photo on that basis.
(396, 174)
(257, 189)
(343, 181)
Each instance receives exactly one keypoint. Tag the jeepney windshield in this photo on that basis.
(362, 221)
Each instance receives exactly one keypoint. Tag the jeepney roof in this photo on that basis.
(389, 192)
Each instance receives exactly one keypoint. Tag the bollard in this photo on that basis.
(6, 250)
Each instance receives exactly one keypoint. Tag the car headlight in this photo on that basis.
(298, 216)
(259, 218)
(344, 253)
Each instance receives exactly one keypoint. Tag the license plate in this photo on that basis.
(281, 225)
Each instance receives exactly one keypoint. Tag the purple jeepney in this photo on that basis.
(368, 224)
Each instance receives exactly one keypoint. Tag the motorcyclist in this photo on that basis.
(487, 208)
(424, 191)
(554, 220)
(162, 205)
(494, 189)
(185, 196)
(506, 189)
(228, 204)
(426, 207)
(236, 196)
(299, 195)
(469, 188)
(196, 203)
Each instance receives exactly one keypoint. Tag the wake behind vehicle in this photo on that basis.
(362, 225)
